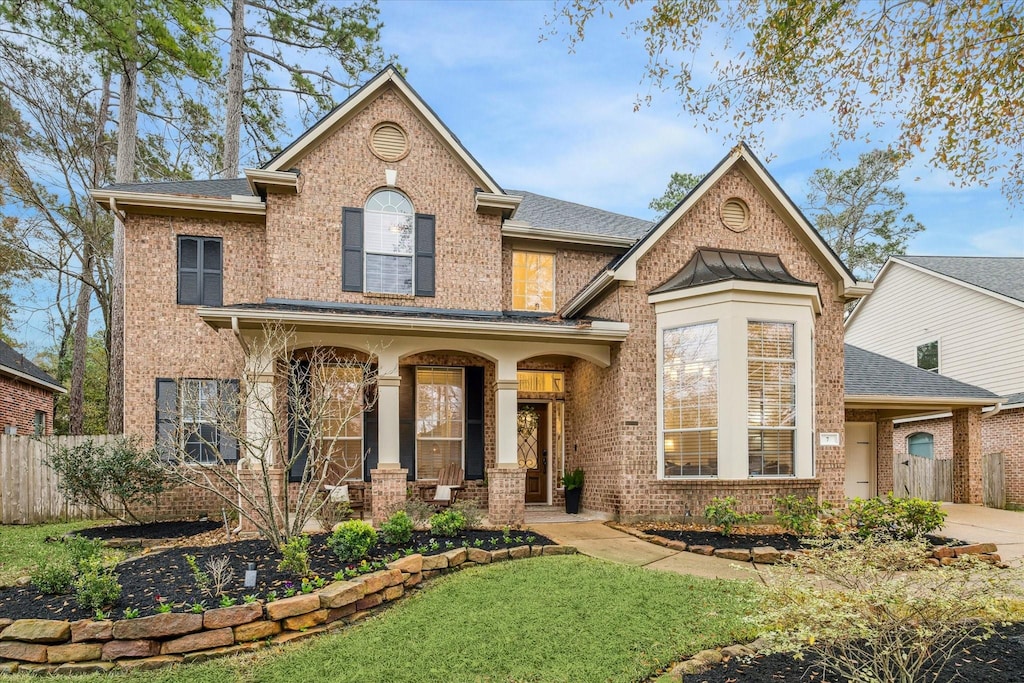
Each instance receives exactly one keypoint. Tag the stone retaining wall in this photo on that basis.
(88, 646)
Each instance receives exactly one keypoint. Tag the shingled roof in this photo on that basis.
(13, 363)
(214, 187)
(556, 214)
(871, 374)
(1000, 274)
(708, 266)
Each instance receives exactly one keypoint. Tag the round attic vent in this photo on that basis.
(388, 141)
(736, 215)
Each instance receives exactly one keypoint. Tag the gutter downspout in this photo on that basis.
(992, 413)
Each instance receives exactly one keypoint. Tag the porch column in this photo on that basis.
(883, 457)
(967, 455)
(260, 416)
(388, 479)
(506, 482)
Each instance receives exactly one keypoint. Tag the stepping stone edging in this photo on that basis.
(46, 646)
(940, 555)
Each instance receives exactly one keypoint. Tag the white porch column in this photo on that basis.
(260, 400)
(506, 408)
(388, 384)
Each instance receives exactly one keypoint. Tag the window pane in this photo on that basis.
(690, 400)
(439, 419)
(771, 398)
(921, 444)
(770, 452)
(345, 458)
(432, 456)
(387, 233)
(533, 281)
(389, 274)
(928, 356)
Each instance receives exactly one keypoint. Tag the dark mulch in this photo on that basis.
(736, 540)
(997, 660)
(152, 530)
(166, 573)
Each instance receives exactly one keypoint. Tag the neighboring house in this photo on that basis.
(961, 317)
(674, 362)
(26, 395)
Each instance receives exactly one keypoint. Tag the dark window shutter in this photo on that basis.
(474, 422)
(166, 418)
(424, 255)
(188, 270)
(407, 420)
(213, 275)
(228, 440)
(370, 457)
(352, 250)
(298, 414)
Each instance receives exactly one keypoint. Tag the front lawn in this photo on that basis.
(22, 548)
(568, 618)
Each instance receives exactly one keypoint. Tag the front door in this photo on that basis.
(860, 459)
(533, 449)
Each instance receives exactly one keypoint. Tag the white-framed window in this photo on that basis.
(533, 281)
(928, 356)
(200, 405)
(39, 423)
(440, 419)
(771, 398)
(388, 242)
(690, 400)
(341, 438)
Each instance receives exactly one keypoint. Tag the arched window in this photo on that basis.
(921, 444)
(388, 240)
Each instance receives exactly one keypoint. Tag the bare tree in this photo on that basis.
(251, 435)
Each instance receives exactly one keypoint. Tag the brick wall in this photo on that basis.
(940, 429)
(19, 402)
(632, 453)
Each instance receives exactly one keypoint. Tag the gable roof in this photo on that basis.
(556, 214)
(743, 158)
(872, 374)
(389, 76)
(707, 266)
(1000, 274)
(16, 365)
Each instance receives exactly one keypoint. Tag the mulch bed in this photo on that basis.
(166, 573)
(997, 660)
(151, 530)
(743, 537)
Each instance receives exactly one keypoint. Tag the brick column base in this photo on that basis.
(506, 496)
(251, 480)
(389, 488)
(967, 455)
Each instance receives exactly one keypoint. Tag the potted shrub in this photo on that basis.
(573, 483)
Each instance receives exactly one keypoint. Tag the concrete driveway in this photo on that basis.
(979, 524)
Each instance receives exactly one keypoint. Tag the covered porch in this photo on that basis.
(488, 372)
(880, 390)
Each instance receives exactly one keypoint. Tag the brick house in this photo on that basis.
(959, 317)
(26, 395)
(624, 344)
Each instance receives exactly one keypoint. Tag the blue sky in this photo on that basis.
(541, 119)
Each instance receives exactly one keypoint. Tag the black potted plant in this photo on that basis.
(573, 483)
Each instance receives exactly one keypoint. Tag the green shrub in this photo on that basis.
(96, 586)
(114, 477)
(352, 540)
(295, 556)
(82, 549)
(471, 511)
(447, 523)
(799, 515)
(419, 512)
(397, 529)
(54, 577)
(723, 514)
(894, 518)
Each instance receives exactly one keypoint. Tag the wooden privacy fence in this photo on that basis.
(917, 477)
(28, 487)
(993, 483)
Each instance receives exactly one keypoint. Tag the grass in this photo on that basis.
(22, 548)
(547, 619)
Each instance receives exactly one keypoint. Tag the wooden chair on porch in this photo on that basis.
(444, 492)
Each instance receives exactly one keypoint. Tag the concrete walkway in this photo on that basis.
(597, 540)
(979, 524)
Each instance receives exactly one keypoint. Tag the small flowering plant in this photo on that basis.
(162, 606)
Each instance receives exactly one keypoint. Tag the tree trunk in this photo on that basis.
(233, 117)
(127, 139)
